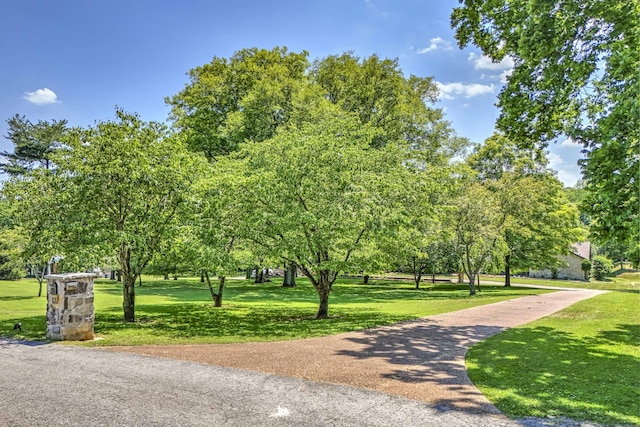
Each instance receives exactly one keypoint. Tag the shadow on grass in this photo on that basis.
(176, 323)
(18, 298)
(544, 372)
(190, 291)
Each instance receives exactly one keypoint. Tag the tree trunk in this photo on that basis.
(259, 274)
(507, 270)
(166, 277)
(460, 277)
(416, 278)
(248, 273)
(40, 277)
(129, 297)
(433, 277)
(201, 276)
(478, 276)
(290, 274)
(323, 287)
(217, 301)
(112, 275)
(140, 280)
(472, 281)
(365, 279)
(208, 280)
(118, 275)
(323, 295)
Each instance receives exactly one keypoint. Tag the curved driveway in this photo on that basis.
(422, 360)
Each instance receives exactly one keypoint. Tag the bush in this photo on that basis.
(586, 267)
(601, 267)
(11, 268)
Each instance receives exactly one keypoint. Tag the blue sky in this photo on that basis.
(77, 60)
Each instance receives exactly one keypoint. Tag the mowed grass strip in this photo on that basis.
(622, 280)
(181, 312)
(582, 363)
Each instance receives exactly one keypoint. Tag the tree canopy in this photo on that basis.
(575, 75)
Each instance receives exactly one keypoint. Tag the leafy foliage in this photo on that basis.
(245, 97)
(575, 74)
(540, 221)
(124, 185)
(601, 267)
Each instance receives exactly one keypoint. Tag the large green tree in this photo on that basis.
(378, 92)
(576, 75)
(33, 147)
(312, 195)
(251, 95)
(478, 224)
(540, 222)
(123, 183)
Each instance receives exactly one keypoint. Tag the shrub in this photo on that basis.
(601, 267)
(586, 267)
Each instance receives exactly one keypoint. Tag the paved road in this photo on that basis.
(59, 385)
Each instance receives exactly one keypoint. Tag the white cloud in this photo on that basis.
(570, 143)
(450, 90)
(555, 160)
(568, 178)
(505, 74)
(483, 62)
(436, 44)
(41, 97)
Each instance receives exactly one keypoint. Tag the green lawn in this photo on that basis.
(582, 363)
(181, 311)
(623, 281)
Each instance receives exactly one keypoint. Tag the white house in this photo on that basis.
(572, 264)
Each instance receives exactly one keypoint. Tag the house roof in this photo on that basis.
(583, 249)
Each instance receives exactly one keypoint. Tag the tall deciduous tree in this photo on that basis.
(576, 74)
(540, 221)
(124, 184)
(312, 195)
(253, 93)
(479, 229)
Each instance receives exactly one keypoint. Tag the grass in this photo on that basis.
(622, 281)
(582, 363)
(181, 312)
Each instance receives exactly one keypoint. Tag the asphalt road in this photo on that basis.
(49, 384)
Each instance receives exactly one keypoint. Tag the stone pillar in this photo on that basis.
(70, 306)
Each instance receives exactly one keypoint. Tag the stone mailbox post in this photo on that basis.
(70, 306)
